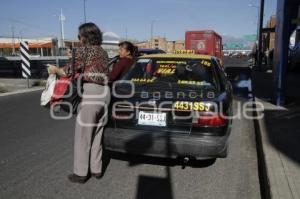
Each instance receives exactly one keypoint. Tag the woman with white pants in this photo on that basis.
(92, 111)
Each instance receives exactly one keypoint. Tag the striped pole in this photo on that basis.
(24, 49)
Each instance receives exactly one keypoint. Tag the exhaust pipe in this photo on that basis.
(186, 160)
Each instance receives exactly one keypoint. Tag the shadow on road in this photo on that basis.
(153, 186)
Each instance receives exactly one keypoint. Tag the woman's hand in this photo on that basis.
(52, 69)
(69, 53)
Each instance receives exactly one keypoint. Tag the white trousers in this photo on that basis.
(90, 122)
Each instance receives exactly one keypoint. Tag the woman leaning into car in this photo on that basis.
(126, 53)
(95, 99)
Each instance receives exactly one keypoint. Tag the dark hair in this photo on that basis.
(129, 47)
(91, 33)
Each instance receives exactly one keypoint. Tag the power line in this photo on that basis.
(13, 39)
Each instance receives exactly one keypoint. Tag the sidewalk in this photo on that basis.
(279, 141)
(11, 85)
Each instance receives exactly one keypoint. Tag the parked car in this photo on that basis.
(172, 106)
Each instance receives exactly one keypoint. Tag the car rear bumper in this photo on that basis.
(165, 144)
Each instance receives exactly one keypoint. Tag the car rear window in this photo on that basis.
(192, 72)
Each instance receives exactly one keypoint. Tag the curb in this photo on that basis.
(22, 91)
(274, 183)
(262, 168)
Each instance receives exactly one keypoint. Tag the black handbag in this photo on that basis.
(72, 96)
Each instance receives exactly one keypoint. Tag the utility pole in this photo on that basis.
(21, 35)
(152, 27)
(62, 32)
(151, 39)
(84, 10)
(13, 39)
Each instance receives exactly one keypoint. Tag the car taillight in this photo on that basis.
(122, 115)
(209, 119)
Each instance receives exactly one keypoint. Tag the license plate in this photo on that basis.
(152, 119)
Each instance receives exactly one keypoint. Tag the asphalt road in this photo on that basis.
(236, 62)
(36, 154)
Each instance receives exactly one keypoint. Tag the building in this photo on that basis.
(163, 44)
(143, 44)
(175, 45)
(49, 46)
(38, 46)
(159, 43)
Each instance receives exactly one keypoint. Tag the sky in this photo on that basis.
(38, 18)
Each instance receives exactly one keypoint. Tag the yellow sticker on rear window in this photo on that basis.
(142, 80)
(187, 82)
(206, 63)
(167, 66)
(166, 71)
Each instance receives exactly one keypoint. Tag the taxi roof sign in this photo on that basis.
(188, 52)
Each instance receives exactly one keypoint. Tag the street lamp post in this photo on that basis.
(13, 39)
(258, 13)
(259, 31)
